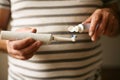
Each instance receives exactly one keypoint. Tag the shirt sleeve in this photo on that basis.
(109, 1)
(5, 4)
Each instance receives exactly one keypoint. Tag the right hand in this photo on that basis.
(25, 48)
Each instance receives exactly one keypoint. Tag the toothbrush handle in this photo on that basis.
(9, 35)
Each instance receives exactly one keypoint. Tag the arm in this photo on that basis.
(4, 20)
(107, 21)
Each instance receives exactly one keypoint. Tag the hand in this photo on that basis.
(25, 48)
(103, 22)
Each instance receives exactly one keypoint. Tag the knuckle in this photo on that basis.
(23, 58)
(107, 14)
(101, 27)
(21, 53)
(96, 18)
(29, 40)
(14, 46)
(99, 10)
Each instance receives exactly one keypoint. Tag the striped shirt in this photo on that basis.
(80, 60)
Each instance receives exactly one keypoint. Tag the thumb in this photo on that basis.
(32, 30)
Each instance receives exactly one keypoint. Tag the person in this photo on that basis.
(32, 60)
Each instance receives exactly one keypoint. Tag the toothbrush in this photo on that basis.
(45, 38)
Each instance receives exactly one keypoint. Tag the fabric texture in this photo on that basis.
(5, 4)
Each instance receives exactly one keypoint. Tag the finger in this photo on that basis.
(17, 54)
(32, 48)
(103, 25)
(19, 57)
(25, 53)
(13, 52)
(20, 44)
(23, 57)
(96, 18)
(95, 36)
(33, 30)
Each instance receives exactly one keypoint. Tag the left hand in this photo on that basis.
(103, 22)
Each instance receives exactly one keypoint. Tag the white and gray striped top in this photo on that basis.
(59, 60)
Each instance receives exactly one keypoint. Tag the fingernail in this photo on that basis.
(90, 33)
(92, 39)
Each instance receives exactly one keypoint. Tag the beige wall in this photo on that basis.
(111, 51)
(3, 67)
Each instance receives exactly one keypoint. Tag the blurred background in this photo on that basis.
(111, 59)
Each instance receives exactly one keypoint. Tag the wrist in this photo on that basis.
(3, 46)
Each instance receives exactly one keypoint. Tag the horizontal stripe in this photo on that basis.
(57, 69)
(68, 55)
(62, 15)
(67, 51)
(67, 47)
(25, 13)
(10, 77)
(6, 5)
(55, 7)
(57, 3)
(64, 60)
(52, 66)
(49, 4)
(15, 76)
(18, 1)
(57, 75)
(60, 77)
(49, 24)
(49, 20)
(85, 76)
(58, 29)
(66, 42)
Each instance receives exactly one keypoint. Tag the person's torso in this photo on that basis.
(57, 60)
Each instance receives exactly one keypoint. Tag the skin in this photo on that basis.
(25, 48)
(103, 21)
(4, 19)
